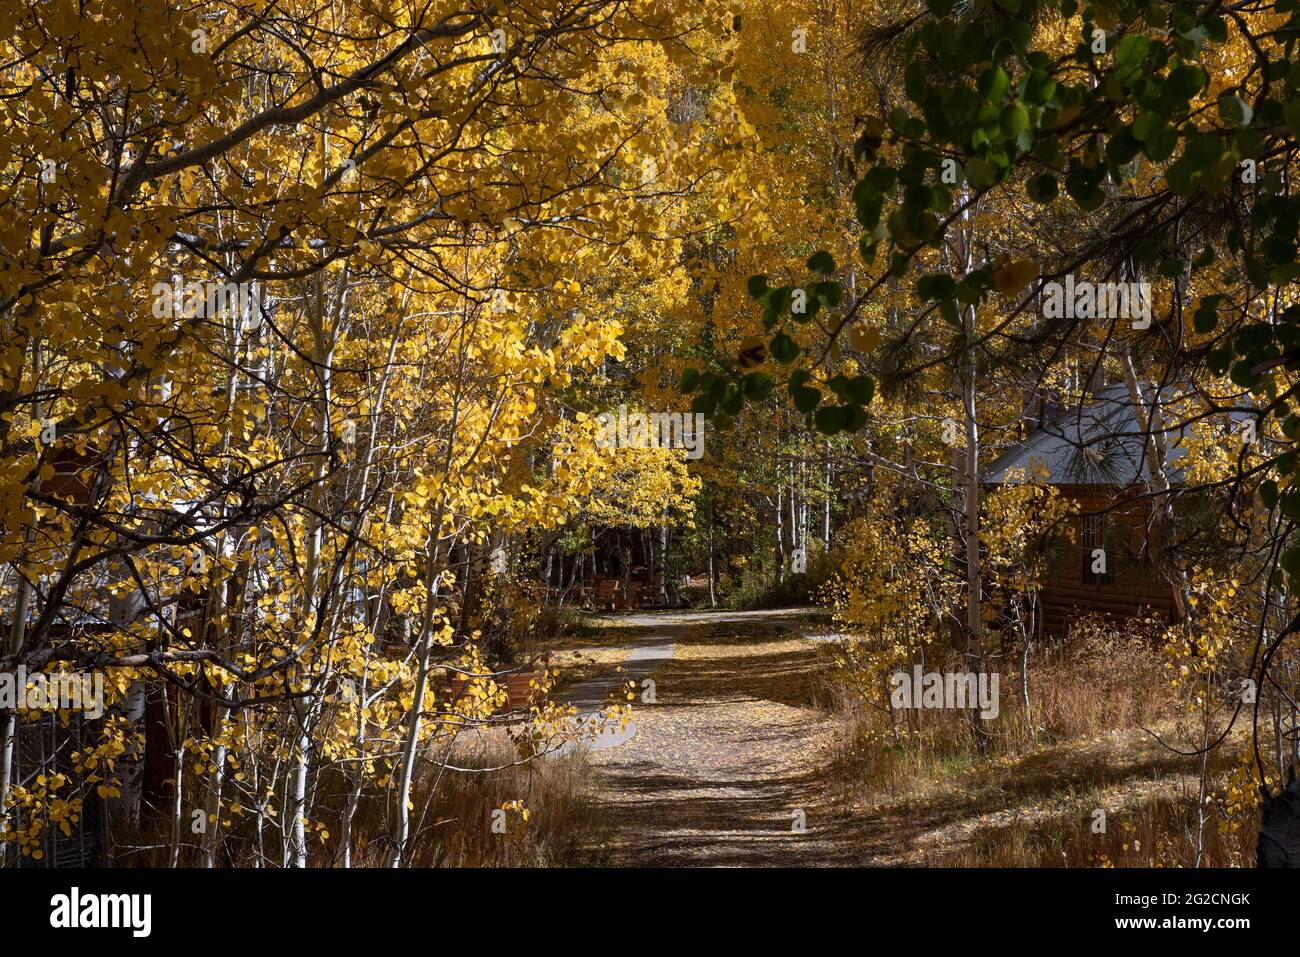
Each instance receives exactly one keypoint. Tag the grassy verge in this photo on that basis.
(1086, 746)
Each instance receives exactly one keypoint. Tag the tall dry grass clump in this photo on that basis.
(543, 810)
(1083, 739)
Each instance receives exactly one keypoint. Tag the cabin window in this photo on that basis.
(1098, 533)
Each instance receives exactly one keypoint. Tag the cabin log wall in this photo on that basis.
(1136, 589)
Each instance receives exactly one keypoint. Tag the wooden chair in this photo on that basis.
(606, 594)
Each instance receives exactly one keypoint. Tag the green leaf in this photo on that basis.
(829, 293)
(705, 404)
(757, 286)
(1235, 111)
(1183, 83)
(1242, 375)
(1160, 144)
(881, 179)
(1218, 360)
(1146, 124)
(778, 299)
(981, 172)
(1082, 185)
(805, 398)
(1268, 493)
(1171, 268)
(1291, 113)
(784, 349)
(1042, 188)
(822, 262)
(1203, 150)
(857, 418)
(1014, 119)
(1182, 177)
(860, 389)
(830, 419)
(993, 84)
(1132, 50)
(690, 378)
(936, 286)
(1290, 561)
(1039, 87)
(757, 385)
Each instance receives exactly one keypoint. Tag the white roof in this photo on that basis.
(1099, 443)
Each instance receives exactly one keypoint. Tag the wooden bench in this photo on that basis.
(518, 685)
(606, 594)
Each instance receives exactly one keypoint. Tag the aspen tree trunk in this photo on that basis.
(648, 542)
(424, 646)
(794, 509)
(1203, 792)
(212, 815)
(178, 805)
(16, 637)
(1156, 454)
(356, 771)
(663, 563)
(961, 252)
(625, 566)
(323, 339)
(9, 718)
(826, 505)
(713, 598)
(1027, 634)
(828, 16)
(974, 571)
(255, 778)
(8, 730)
(180, 726)
(803, 504)
(216, 778)
(424, 651)
(780, 532)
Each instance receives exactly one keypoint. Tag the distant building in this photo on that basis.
(1097, 455)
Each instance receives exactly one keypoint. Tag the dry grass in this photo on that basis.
(1099, 679)
(455, 807)
(454, 811)
(1083, 744)
(1160, 832)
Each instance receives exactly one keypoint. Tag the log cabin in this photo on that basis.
(1097, 454)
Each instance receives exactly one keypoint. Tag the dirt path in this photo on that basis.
(729, 765)
(723, 767)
